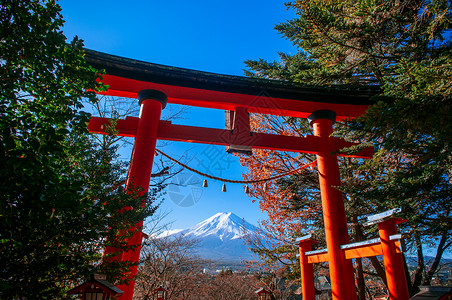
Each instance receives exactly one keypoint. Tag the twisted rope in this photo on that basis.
(237, 181)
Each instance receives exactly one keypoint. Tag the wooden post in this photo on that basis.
(394, 267)
(306, 269)
(336, 234)
(152, 102)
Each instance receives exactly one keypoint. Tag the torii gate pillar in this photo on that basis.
(336, 234)
(127, 78)
(152, 102)
(306, 269)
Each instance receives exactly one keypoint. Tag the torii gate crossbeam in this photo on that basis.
(155, 85)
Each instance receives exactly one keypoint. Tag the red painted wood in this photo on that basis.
(361, 251)
(318, 258)
(341, 271)
(125, 87)
(394, 267)
(307, 271)
(182, 133)
(336, 234)
(139, 175)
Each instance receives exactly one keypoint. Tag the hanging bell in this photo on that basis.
(204, 183)
(247, 189)
(223, 188)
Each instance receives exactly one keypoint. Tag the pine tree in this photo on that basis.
(404, 48)
(60, 193)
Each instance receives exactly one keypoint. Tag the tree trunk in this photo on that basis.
(358, 266)
(439, 252)
(360, 279)
(420, 265)
(378, 268)
(359, 236)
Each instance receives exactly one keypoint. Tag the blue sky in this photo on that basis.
(213, 36)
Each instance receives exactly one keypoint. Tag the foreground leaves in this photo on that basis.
(60, 192)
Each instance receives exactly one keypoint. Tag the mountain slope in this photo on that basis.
(221, 237)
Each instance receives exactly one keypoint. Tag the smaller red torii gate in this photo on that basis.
(389, 245)
(155, 85)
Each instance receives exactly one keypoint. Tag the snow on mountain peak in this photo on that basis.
(220, 237)
(225, 225)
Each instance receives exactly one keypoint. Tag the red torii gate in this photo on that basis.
(389, 245)
(155, 85)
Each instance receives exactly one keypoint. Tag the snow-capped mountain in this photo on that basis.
(225, 226)
(221, 237)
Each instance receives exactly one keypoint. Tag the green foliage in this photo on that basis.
(404, 47)
(59, 197)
